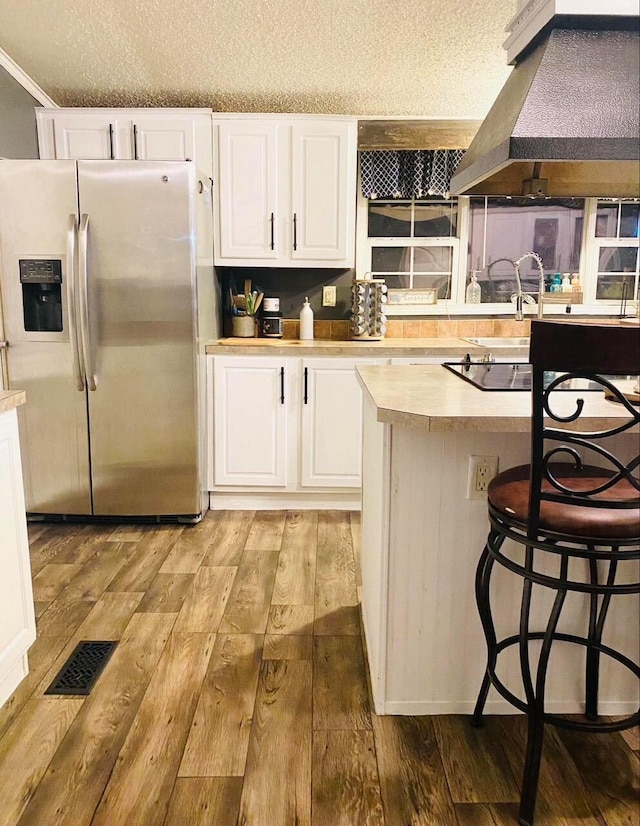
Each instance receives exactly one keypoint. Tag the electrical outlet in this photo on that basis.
(482, 469)
(329, 296)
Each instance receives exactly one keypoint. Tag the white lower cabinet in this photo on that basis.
(17, 621)
(331, 423)
(286, 424)
(250, 408)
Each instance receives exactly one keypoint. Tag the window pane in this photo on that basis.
(432, 259)
(391, 259)
(514, 226)
(607, 221)
(435, 220)
(629, 215)
(441, 283)
(389, 220)
(397, 282)
(614, 286)
(617, 259)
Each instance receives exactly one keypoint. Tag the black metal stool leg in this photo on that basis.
(483, 581)
(535, 714)
(531, 775)
(596, 625)
(592, 673)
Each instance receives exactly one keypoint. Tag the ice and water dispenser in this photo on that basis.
(41, 282)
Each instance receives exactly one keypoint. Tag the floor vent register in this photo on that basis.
(79, 674)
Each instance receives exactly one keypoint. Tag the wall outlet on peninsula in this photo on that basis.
(482, 469)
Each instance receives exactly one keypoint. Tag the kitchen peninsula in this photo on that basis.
(422, 537)
(17, 621)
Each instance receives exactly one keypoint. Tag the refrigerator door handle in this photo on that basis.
(84, 303)
(78, 368)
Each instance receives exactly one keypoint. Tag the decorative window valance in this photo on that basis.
(408, 174)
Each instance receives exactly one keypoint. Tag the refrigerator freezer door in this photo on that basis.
(36, 200)
(140, 336)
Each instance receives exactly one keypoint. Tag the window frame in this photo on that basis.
(598, 242)
(588, 271)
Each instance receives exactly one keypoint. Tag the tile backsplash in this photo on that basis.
(432, 328)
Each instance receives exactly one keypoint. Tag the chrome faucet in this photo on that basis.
(520, 296)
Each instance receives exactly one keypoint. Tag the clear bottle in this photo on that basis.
(473, 293)
(575, 283)
(306, 321)
(566, 283)
(556, 285)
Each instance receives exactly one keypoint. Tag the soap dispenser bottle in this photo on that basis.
(306, 321)
(474, 293)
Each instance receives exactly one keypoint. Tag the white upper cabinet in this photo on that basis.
(126, 134)
(323, 192)
(247, 190)
(285, 190)
(137, 134)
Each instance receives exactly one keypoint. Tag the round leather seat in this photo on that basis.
(508, 492)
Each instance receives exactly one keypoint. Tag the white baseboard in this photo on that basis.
(418, 707)
(255, 501)
(12, 679)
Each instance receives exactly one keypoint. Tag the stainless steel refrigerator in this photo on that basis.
(100, 314)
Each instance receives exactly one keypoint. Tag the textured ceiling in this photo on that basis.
(438, 58)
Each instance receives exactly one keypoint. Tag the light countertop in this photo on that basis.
(388, 347)
(432, 398)
(9, 399)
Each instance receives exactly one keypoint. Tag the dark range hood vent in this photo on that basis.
(566, 123)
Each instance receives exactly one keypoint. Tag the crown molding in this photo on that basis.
(24, 80)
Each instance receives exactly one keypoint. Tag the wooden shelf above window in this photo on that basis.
(416, 134)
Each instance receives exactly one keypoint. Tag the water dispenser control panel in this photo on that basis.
(41, 281)
(40, 271)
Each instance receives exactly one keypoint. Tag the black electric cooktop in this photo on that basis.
(509, 376)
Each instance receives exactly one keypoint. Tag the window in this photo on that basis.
(503, 229)
(425, 250)
(413, 245)
(616, 238)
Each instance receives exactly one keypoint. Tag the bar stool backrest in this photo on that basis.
(560, 351)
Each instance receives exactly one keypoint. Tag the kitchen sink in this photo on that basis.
(497, 341)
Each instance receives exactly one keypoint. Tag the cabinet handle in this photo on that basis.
(111, 155)
(271, 220)
(282, 385)
(306, 384)
(200, 187)
(135, 143)
(295, 231)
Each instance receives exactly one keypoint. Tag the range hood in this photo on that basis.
(566, 123)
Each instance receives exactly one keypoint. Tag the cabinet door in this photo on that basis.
(17, 623)
(246, 202)
(88, 136)
(323, 190)
(250, 421)
(158, 139)
(331, 447)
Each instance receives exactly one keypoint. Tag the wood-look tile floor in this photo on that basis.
(237, 696)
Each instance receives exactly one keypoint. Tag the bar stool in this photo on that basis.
(578, 504)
